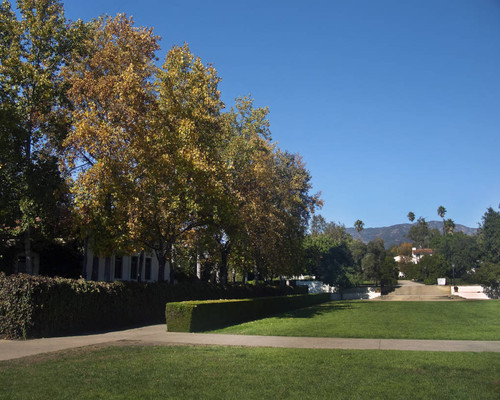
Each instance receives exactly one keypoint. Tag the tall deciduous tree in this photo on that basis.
(336, 231)
(113, 100)
(460, 250)
(33, 49)
(294, 205)
(419, 233)
(489, 236)
(181, 175)
(152, 148)
(373, 261)
(267, 200)
(247, 154)
(411, 216)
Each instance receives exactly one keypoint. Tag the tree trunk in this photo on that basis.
(162, 260)
(233, 275)
(198, 265)
(107, 269)
(216, 276)
(85, 257)
(27, 251)
(27, 232)
(256, 274)
(223, 266)
(141, 266)
(170, 249)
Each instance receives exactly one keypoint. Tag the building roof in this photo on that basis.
(423, 251)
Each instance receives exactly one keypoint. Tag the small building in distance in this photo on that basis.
(416, 255)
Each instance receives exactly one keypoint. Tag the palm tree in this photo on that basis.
(441, 212)
(411, 216)
(449, 226)
(359, 225)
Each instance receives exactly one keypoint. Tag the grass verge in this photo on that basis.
(463, 320)
(250, 373)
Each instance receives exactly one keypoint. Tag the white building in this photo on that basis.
(123, 268)
(416, 255)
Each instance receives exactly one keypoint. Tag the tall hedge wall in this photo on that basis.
(37, 306)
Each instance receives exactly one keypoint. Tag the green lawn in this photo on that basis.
(460, 320)
(250, 373)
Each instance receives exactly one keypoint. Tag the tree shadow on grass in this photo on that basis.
(317, 310)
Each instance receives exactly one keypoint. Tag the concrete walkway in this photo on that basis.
(414, 291)
(157, 335)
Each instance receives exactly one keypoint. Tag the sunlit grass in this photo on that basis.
(250, 373)
(461, 320)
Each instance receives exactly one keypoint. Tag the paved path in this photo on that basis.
(413, 291)
(157, 335)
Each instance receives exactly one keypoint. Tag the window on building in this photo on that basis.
(147, 269)
(95, 269)
(134, 266)
(118, 267)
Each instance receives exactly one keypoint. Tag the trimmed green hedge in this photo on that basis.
(196, 316)
(38, 306)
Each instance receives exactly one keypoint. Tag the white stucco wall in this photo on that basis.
(126, 267)
(366, 293)
(472, 292)
(316, 286)
(363, 293)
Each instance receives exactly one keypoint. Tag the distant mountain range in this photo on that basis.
(396, 234)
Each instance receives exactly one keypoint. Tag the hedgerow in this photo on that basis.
(196, 316)
(38, 306)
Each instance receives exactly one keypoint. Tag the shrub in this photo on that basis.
(195, 316)
(38, 306)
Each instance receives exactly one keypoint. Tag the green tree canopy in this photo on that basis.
(489, 236)
(35, 43)
(420, 233)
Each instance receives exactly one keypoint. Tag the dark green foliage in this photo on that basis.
(488, 275)
(475, 258)
(374, 259)
(337, 232)
(60, 259)
(419, 233)
(36, 42)
(489, 236)
(36, 306)
(389, 272)
(433, 267)
(460, 250)
(328, 254)
(196, 316)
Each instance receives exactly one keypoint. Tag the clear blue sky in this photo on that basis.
(394, 105)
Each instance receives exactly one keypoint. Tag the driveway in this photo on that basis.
(413, 291)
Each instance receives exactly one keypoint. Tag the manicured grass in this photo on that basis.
(460, 320)
(250, 373)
